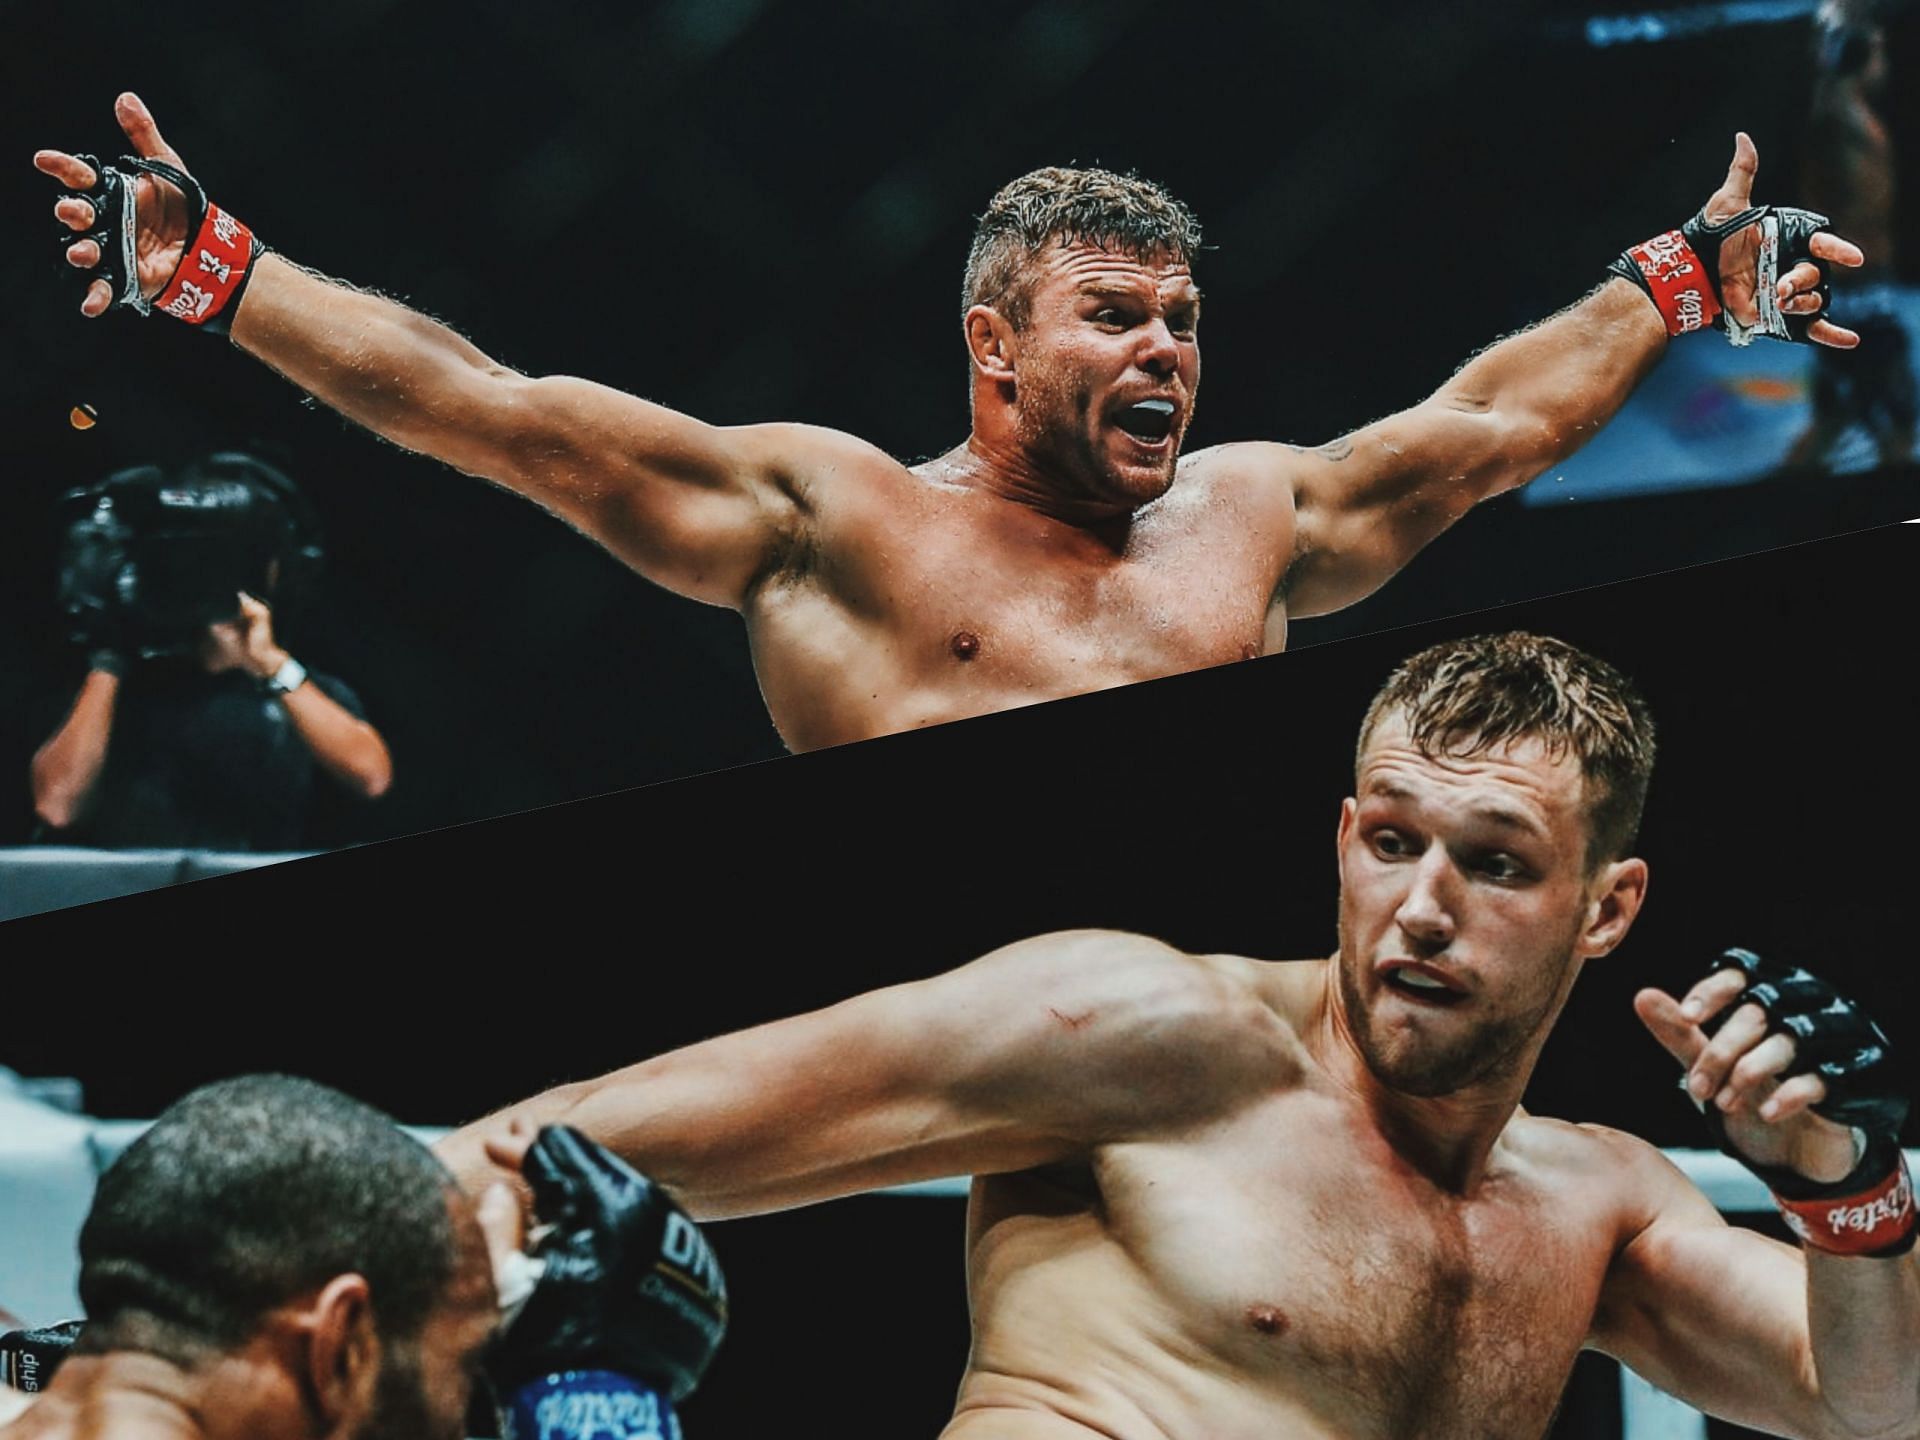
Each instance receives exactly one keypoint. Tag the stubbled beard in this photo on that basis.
(1063, 430)
(1490, 1051)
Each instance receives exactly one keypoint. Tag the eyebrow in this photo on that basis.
(1109, 290)
(1491, 814)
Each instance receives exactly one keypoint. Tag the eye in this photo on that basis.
(1183, 325)
(1498, 865)
(1391, 844)
(1107, 315)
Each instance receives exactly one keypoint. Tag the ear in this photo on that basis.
(1614, 900)
(1349, 807)
(343, 1349)
(990, 343)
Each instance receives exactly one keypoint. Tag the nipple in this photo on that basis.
(964, 644)
(1266, 1319)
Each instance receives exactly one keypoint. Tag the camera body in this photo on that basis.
(149, 561)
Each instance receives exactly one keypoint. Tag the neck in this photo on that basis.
(1448, 1138)
(1012, 473)
(123, 1393)
(131, 1395)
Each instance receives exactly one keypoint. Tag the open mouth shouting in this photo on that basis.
(1149, 422)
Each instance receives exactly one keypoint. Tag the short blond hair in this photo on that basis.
(1464, 697)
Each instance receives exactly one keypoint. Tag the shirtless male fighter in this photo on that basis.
(275, 1261)
(1239, 1199)
(1065, 545)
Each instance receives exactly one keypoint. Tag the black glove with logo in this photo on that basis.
(1870, 1210)
(628, 1290)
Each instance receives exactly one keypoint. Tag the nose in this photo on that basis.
(1425, 915)
(1159, 351)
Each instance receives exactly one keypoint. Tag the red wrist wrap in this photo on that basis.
(1877, 1220)
(1679, 282)
(212, 271)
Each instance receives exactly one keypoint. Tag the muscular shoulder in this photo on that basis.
(1140, 1017)
(1135, 974)
(1630, 1181)
(837, 490)
(809, 461)
(1251, 489)
(1252, 472)
(1584, 1153)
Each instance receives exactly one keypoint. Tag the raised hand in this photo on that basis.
(1740, 1069)
(161, 212)
(1797, 288)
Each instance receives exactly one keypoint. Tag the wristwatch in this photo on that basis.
(289, 677)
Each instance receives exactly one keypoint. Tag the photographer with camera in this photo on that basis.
(194, 726)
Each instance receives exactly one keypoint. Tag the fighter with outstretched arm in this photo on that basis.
(1067, 544)
(1235, 1198)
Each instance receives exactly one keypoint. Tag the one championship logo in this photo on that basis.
(684, 1249)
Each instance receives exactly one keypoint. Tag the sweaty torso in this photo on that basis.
(1283, 1273)
(911, 600)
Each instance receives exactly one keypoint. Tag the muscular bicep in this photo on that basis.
(1710, 1313)
(1516, 409)
(697, 508)
(1372, 500)
(1036, 1053)
(703, 510)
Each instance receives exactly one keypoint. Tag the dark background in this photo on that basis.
(441, 975)
(757, 210)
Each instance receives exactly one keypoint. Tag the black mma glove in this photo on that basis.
(628, 1310)
(1680, 271)
(214, 268)
(28, 1358)
(1870, 1210)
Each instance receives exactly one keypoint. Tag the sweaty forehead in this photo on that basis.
(1521, 776)
(1078, 266)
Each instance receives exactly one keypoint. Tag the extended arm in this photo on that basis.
(1367, 504)
(1750, 1329)
(1039, 1051)
(67, 767)
(701, 510)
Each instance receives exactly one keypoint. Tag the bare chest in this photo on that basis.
(938, 608)
(1307, 1258)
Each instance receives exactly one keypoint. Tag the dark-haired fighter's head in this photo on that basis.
(301, 1264)
(1485, 855)
(1081, 322)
